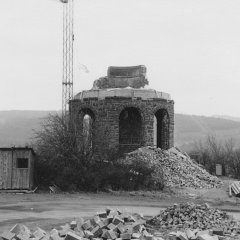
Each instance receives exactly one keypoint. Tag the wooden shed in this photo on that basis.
(16, 168)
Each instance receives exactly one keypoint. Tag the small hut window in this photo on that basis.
(22, 162)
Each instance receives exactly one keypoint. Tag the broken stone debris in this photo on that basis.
(177, 168)
(109, 224)
(118, 225)
(192, 235)
(234, 189)
(195, 216)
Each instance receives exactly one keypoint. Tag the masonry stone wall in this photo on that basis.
(114, 117)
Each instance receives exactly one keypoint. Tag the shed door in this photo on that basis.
(5, 169)
(20, 176)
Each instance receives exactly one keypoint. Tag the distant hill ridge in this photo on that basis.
(16, 128)
(237, 119)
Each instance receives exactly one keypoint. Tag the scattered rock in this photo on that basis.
(194, 216)
(198, 222)
(109, 224)
(175, 167)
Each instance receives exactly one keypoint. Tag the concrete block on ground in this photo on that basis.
(80, 222)
(131, 219)
(86, 225)
(104, 233)
(204, 232)
(128, 228)
(88, 234)
(110, 218)
(72, 236)
(95, 220)
(120, 228)
(22, 236)
(136, 235)
(66, 227)
(73, 224)
(116, 220)
(113, 213)
(112, 227)
(125, 216)
(47, 237)
(119, 211)
(217, 231)
(101, 224)
(149, 237)
(64, 230)
(17, 229)
(55, 236)
(102, 214)
(53, 231)
(97, 232)
(108, 210)
(173, 236)
(110, 234)
(8, 235)
(182, 235)
(190, 234)
(207, 237)
(137, 227)
(126, 236)
(39, 233)
(150, 231)
(62, 233)
(145, 233)
(106, 221)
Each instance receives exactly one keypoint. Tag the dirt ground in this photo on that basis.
(52, 210)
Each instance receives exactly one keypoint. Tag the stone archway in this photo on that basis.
(161, 129)
(87, 119)
(130, 126)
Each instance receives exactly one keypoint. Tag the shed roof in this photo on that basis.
(17, 149)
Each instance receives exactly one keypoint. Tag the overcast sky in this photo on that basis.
(191, 49)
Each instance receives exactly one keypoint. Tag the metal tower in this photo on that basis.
(68, 38)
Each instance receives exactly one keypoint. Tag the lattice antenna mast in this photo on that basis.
(68, 38)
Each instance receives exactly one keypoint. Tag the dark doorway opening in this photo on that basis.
(130, 126)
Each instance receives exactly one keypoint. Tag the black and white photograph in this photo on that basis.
(120, 120)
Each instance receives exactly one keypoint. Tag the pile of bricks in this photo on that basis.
(109, 224)
(194, 216)
(179, 222)
(178, 168)
(188, 234)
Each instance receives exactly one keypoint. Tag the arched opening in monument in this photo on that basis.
(130, 127)
(161, 129)
(88, 130)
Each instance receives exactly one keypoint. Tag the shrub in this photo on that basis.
(61, 162)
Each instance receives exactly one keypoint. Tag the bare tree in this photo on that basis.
(212, 151)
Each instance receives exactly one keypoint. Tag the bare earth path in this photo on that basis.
(51, 210)
(48, 210)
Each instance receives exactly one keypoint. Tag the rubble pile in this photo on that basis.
(119, 225)
(189, 234)
(194, 216)
(109, 224)
(178, 169)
